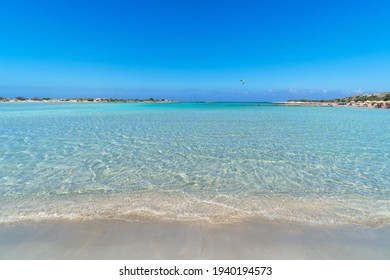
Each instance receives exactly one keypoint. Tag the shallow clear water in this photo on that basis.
(187, 161)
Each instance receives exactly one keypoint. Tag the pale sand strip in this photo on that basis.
(115, 239)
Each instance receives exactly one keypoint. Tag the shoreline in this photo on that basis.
(86, 100)
(181, 207)
(365, 104)
(118, 239)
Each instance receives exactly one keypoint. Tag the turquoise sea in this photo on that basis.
(221, 162)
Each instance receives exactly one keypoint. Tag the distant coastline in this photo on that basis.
(375, 100)
(101, 100)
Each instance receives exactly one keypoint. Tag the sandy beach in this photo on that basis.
(116, 239)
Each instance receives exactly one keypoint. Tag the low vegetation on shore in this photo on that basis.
(116, 100)
(375, 100)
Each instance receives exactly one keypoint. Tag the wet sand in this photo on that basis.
(115, 239)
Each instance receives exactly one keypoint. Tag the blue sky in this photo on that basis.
(194, 50)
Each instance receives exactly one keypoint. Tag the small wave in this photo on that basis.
(183, 207)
